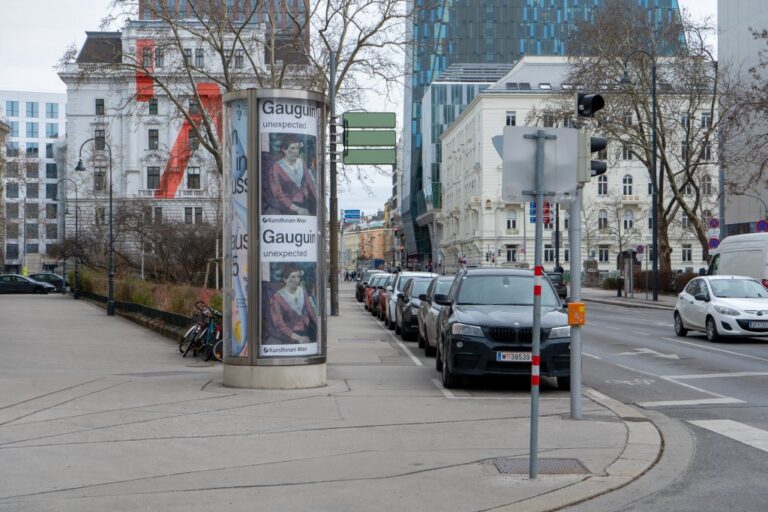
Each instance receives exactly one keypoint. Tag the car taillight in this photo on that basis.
(765, 283)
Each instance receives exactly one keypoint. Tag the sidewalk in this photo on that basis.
(100, 414)
(603, 296)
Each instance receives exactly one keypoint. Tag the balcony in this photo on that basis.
(191, 193)
(631, 199)
(147, 192)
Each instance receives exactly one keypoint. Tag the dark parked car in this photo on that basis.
(55, 279)
(408, 303)
(362, 282)
(14, 283)
(429, 311)
(487, 327)
(558, 282)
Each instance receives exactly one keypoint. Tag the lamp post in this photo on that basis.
(111, 271)
(76, 290)
(765, 207)
(655, 180)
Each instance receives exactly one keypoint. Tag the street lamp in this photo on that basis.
(111, 274)
(655, 180)
(76, 291)
(765, 207)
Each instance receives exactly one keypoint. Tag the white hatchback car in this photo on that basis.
(722, 306)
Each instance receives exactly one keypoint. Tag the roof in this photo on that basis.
(499, 272)
(533, 74)
(101, 48)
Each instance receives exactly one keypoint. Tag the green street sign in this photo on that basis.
(370, 138)
(368, 120)
(369, 157)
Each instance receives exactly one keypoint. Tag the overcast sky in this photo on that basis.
(35, 34)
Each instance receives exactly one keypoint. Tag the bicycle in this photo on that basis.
(205, 336)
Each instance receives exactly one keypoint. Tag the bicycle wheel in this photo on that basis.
(193, 345)
(187, 338)
(217, 352)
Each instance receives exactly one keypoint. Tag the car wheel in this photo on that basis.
(680, 329)
(420, 339)
(450, 379)
(438, 358)
(712, 334)
(564, 383)
(429, 350)
(38, 290)
(390, 324)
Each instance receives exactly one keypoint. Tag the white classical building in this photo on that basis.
(477, 227)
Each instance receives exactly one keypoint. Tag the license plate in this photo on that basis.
(513, 357)
(758, 325)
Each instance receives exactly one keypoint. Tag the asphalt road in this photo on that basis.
(713, 393)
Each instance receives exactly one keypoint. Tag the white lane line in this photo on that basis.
(591, 355)
(716, 375)
(685, 403)
(407, 351)
(716, 349)
(665, 324)
(446, 392)
(740, 432)
(640, 333)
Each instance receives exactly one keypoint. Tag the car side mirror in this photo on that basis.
(702, 296)
(389, 288)
(442, 299)
(423, 296)
(400, 295)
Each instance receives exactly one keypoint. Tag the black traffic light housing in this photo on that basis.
(588, 104)
(597, 167)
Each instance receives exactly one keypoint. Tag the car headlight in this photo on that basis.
(466, 330)
(560, 332)
(727, 311)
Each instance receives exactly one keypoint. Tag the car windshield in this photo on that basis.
(503, 291)
(443, 286)
(555, 278)
(738, 289)
(420, 286)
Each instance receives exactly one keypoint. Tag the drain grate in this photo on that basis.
(520, 466)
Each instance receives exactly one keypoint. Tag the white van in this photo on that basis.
(742, 255)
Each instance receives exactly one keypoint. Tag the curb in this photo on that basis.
(626, 304)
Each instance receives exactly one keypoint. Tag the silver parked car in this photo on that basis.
(429, 311)
(397, 287)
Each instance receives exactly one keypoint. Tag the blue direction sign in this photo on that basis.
(350, 215)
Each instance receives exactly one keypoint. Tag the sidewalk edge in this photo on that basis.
(625, 304)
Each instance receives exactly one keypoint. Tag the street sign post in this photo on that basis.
(369, 138)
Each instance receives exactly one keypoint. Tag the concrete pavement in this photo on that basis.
(97, 413)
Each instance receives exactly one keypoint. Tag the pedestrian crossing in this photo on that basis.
(740, 432)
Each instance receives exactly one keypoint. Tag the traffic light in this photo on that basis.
(588, 104)
(588, 168)
(499, 252)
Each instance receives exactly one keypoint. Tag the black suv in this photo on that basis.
(558, 282)
(486, 327)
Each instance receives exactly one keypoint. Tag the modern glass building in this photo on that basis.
(447, 32)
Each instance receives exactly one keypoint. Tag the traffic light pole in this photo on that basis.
(574, 238)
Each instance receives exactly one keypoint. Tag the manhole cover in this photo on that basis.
(520, 466)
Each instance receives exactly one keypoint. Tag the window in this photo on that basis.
(32, 170)
(153, 177)
(685, 121)
(33, 109)
(158, 216)
(52, 130)
(199, 58)
(193, 109)
(99, 179)
(12, 169)
(187, 56)
(12, 230)
(12, 191)
(568, 122)
(706, 186)
(11, 149)
(628, 119)
(706, 153)
(627, 185)
(12, 108)
(688, 189)
(146, 57)
(566, 219)
(549, 225)
(51, 111)
(602, 185)
(153, 139)
(706, 120)
(567, 255)
(687, 253)
(12, 209)
(12, 251)
(685, 221)
(99, 215)
(629, 219)
(32, 130)
(153, 106)
(31, 231)
(194, 142)
(51, 190)
(193, 178)
(511, 219)
(51, 232)
(159, 58)
(549, 254)
(14, 128)
(650, 223)
(602, 254)
(684, 150)
(548, 120)
(51, 172)
(100, 139)
(33, 149)
(33, 191)
(51, 209)
(626, 152)
(49, 150)
(99, 106)
(193, 215)
(511, 118)
(511, 253)
(650, 188)
(33, 249)
(239, 59)
(602, 219)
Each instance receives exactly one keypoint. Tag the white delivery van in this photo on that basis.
(742, 255)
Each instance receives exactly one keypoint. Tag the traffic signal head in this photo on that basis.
(588, 168)
(597, 167)
(588, 104)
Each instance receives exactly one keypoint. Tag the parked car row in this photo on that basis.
(476, 323)
(15, 283)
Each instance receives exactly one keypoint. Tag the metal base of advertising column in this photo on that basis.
(274, 212)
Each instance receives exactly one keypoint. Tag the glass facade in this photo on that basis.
(478, 31)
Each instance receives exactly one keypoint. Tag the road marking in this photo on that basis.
(665, 324)
(449, 394)
(649, 351)
(446, 392)
(591, 355)
(640, 333)
(717, 349)
(405, 349)
(633, 382)
(685, 403)
(740, 432)
(716, 375)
